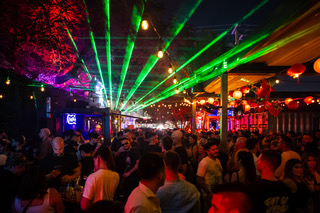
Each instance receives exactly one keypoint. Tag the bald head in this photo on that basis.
(240, 143)
(177, 137)
(58, 146)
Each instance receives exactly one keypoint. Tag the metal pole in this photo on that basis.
(194, 108)
(224, 112)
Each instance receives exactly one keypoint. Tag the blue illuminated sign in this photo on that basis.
(71, 118)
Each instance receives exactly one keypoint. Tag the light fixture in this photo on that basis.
(177, 91)
(175, 80)
(184, 91)
(144, 25)
(74, 100)
(160, 53)
(42, 88)
(1, 96)
(31, 97)
(277, 81)
(108, 101)
(8, 81)
(170, 69)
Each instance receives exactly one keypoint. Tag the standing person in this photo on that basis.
(270, 194)
(253, 146)
(177, 142)
(301, 194)
(143, 198)
(34, 195)
(153, 143)
(127, 133)
(286, 154)
(102, 184)
(14, 167)
(247, 170)
(59, 166)
(177, 195)
(45, 147)
(209, 172)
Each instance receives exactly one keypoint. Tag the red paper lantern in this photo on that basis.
(296, 70)
(316, 65)
(237, 94)
(288, 100)
(253, 104)
(293, 105)
(231, 93)
(308, 100)
(246, 107)
(245, 90)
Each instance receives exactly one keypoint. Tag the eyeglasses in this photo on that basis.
(126, 143)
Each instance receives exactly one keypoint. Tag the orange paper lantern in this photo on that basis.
(232, 103)
(246, 107)
(308, 100)
(237, 94)
(316, 65)
(202, 102)
(210, 100)
(293, 105)
(288, 100)
(245, 90)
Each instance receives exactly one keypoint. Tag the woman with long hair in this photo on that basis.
(247, 169)
(301, 195)
(312, 177)
(34, 195)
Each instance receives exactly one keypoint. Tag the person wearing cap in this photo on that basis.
(59, 166)
(15, 165)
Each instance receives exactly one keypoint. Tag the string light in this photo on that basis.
(74, 100)
(170, 69)
(277, 81)
(160, 53)
(145, 25)
(31, 97)
(175, 80)
(177, 91)
(108, 101)
(1, 96)
(42, 88)
(8, 81)
(184, 91)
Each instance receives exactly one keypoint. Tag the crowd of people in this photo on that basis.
(161, 171)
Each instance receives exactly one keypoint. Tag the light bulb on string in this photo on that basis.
(177, 91)
(170, 69)
(31, 97)
(108, 101)
(42, 88)
(8, 81)
(277, 81)
(184, 91)
(75, 100)
(1, 96)
(175, 80)
(144, 25)
(160, 53)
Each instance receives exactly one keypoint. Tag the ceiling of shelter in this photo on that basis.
(70, 44)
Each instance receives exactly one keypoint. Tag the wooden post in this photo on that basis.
(194, 108)
(224, 112)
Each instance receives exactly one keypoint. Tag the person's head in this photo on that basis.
(151, 168)
(200, 149)
(18, 142)
(128, 134)
(16, 163)
(94, 137)
(310, 160)
(245, 160)
(231, 198)
(172, 161)
(101, 206)
(307, 139)
(293, 169)
(284, 143)
(177, 137)
(44, 133)
(104, 156)
(193, 140)
(153, 138)
(268, 159)
(240, 143)
(67, 135)
(119, 134)
(212, 150)
(58, 146)
(126, 143)
(33, 184)
(167, 143)
(252, 144)
(85, 150)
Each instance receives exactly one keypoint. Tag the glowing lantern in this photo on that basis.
(237, 94)
(296, 70)
(245, 90)
(293, 105)
(246, 107)
(202, 102)
(316, 65)
(232, 103)
(210, 100)
(244, 102)
(288, 100)
(145, 25)
(308, 100)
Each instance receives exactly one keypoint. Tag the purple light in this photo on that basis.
(71, 119)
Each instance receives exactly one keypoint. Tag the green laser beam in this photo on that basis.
(137, 13)
(215, 40)
(178, 24)
(77, 51)
(93, 43)
(108, 46)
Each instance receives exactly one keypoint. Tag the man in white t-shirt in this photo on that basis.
(209, 172)
(102, 184)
